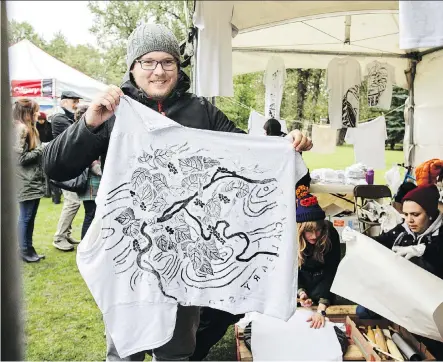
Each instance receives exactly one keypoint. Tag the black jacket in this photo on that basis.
(61, 121)
(73, 151)
(431, 260)
(316, 278)
(45, 131)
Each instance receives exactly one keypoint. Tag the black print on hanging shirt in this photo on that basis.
(170, 221)
(273, 94)
(350, 104)
(377, 83)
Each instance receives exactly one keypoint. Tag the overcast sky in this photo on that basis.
(72, 18)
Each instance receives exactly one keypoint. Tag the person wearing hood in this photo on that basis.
(419, 238)
(153, 78)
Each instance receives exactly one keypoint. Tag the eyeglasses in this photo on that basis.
(168, 64)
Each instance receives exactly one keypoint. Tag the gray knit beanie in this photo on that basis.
(148, 38)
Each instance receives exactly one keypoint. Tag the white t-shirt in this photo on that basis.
(256, 122)
(343, 84)
(381, 77)
(420, 24)
(369, 143)
(194, 217)
(274, 81)
(324, 139)
(214, 49)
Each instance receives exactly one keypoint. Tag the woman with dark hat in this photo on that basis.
(420, 240)
(318, 255)
(420, 237)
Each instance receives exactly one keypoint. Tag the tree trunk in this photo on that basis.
(341, 136)
(302, 88)
(316, 78)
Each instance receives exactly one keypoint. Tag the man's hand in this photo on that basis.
(304, 300)
(317, 320)
(103, 107)
(300, 141)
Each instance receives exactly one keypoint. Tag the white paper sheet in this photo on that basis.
(388, 284)
(294, 340)
(324, 139)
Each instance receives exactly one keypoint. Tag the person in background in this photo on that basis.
(318, 256)
(45, 133)
(44, 128)
(29, 172)
(94, 176)
(63, 239)
(272, 127)
(420, 238)
(69, 101)
(155, 79)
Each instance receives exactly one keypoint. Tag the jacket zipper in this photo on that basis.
(160, 108)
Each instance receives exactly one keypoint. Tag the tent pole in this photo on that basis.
(413, 71)
(323, 52)
(54, 95)
(430, 51)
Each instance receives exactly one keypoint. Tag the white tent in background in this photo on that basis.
(28, 62)
(308, 34)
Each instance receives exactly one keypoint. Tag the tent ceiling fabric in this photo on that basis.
(29, 62)
(308, 34)
(250, 14)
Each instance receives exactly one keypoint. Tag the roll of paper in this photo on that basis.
(410, 353)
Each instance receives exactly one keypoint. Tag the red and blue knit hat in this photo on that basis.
(307, 208)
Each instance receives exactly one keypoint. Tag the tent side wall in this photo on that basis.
(428, 111)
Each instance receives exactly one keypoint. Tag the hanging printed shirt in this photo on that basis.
(274, 81)
(194, 217)
(369, 143)
(420, 24)
(381, 77)
(213, 75)
(343, 84)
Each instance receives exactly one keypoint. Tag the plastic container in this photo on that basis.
(370, 176)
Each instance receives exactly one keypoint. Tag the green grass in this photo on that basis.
(62, 321)
(344, 157)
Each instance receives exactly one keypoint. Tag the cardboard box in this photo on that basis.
(341, 222)
(369, 354)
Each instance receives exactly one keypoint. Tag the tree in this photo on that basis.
(238, 108)
(302, 88)
(18, 31)
(395, 123)
(115, 21)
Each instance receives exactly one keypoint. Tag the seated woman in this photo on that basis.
(420, 238)
(401, 192)
(318, 255)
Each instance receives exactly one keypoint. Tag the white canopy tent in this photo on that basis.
(308, 34)
(28, 62)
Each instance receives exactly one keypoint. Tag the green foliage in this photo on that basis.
(115, 21)
(395, 122)
(18, 31)
(237, 109)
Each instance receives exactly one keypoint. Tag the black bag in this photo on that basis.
(78, 184)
